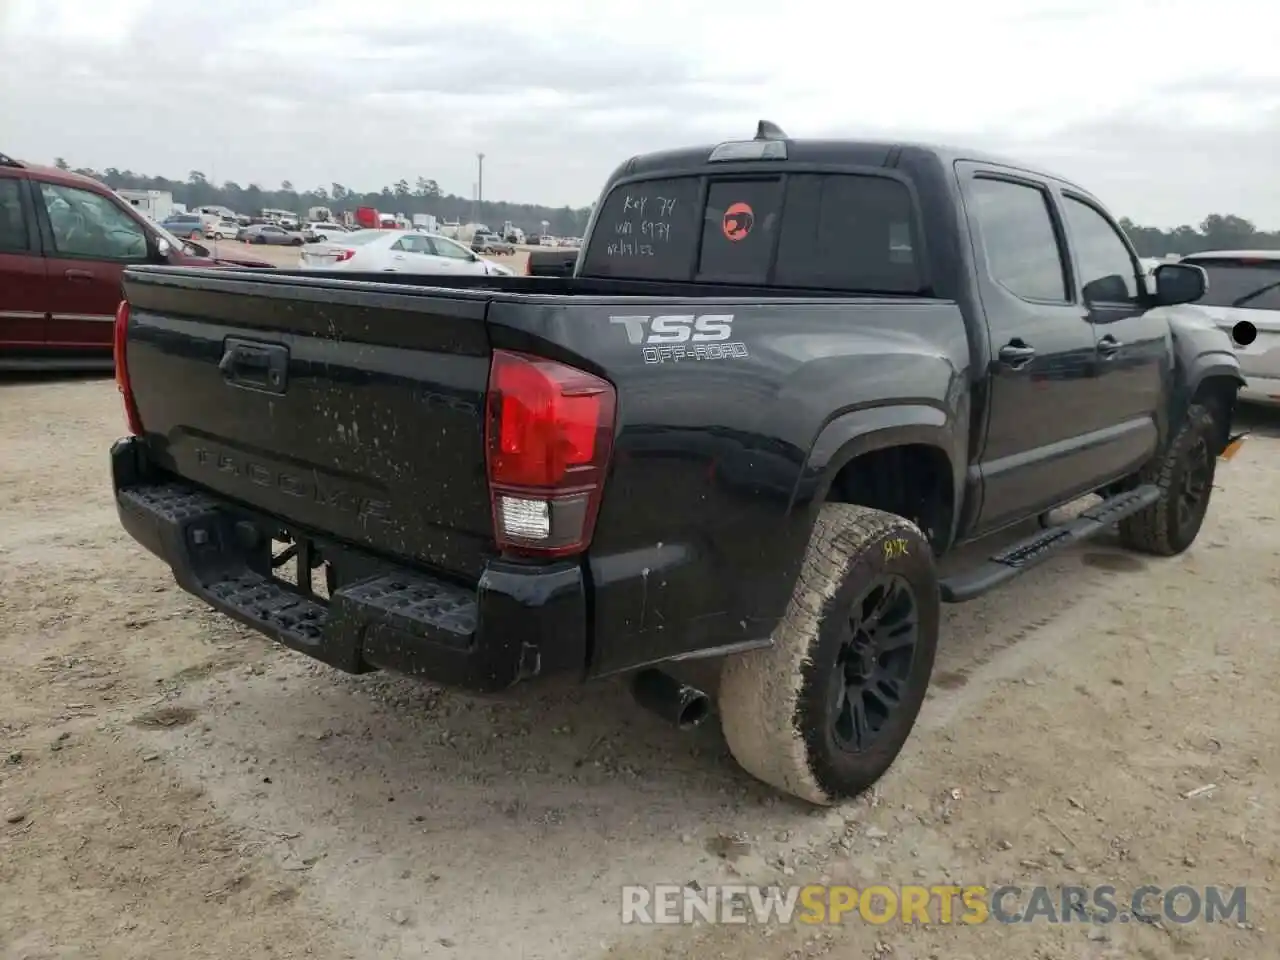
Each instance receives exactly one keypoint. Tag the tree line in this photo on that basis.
(1215, 232)
(423, 195)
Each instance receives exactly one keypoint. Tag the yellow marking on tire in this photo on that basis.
(893, 549)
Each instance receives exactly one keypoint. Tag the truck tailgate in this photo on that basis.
(355, 412)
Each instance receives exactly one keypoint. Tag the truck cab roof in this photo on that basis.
(824, 152)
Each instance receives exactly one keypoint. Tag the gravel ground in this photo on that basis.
(172, 786)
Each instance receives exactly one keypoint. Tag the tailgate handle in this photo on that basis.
(254, 365)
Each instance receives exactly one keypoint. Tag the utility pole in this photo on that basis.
(479, 182)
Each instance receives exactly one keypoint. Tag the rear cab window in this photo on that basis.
(1246, 283)
(836, 231)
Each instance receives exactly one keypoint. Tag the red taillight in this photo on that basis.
(549, 433)
(120, 345)
(340, 255)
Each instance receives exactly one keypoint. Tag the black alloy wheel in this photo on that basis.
(874, 659)
(1197, 481)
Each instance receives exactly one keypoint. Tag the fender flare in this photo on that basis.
(851, 434)
(1208, 367)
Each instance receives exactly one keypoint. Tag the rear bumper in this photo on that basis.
(517, 623)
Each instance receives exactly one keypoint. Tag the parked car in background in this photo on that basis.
(491, 243)
(65, 241)
(189, 225)
(224, 230)
(397, 251)
(318, 232)
(270, 233)
(1244, 299)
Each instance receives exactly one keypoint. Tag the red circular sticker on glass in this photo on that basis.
(738, 221)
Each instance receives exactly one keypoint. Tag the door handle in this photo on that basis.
(1017, 354)
(1109, 346)
(78, 275)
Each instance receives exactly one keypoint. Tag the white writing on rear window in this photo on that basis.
(645, 216)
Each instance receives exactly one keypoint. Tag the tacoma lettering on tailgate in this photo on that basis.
(302, 486)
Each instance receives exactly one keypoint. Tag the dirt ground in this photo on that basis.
(172, 786)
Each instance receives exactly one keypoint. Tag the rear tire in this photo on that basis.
(823, 712)
(1185, 477)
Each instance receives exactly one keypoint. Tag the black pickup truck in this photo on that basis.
(785, 379)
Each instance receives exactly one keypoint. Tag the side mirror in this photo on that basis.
(198, 250)
(1108, 289)
(1179, 283)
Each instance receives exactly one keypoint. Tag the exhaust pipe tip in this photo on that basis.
(678, 703)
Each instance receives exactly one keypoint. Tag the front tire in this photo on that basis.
(1185, 477)
(823, 712)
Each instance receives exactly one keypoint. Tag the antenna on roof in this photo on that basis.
(769, 131)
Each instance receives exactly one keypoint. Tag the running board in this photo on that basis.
(1025, 554)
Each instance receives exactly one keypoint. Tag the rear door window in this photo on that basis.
(447, 248)
(1020, 240)
(411, 244)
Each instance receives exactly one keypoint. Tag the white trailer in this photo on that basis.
(155, 205)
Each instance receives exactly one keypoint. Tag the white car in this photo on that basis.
(224, 230)
(397, 251)
(324, 230)
(1244, 300)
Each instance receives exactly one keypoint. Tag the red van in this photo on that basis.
(65, 241)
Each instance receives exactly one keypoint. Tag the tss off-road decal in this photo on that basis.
(677, 337)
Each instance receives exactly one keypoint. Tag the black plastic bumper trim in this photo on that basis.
(519, 622)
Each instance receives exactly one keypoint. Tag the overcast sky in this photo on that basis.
(1167, 110)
